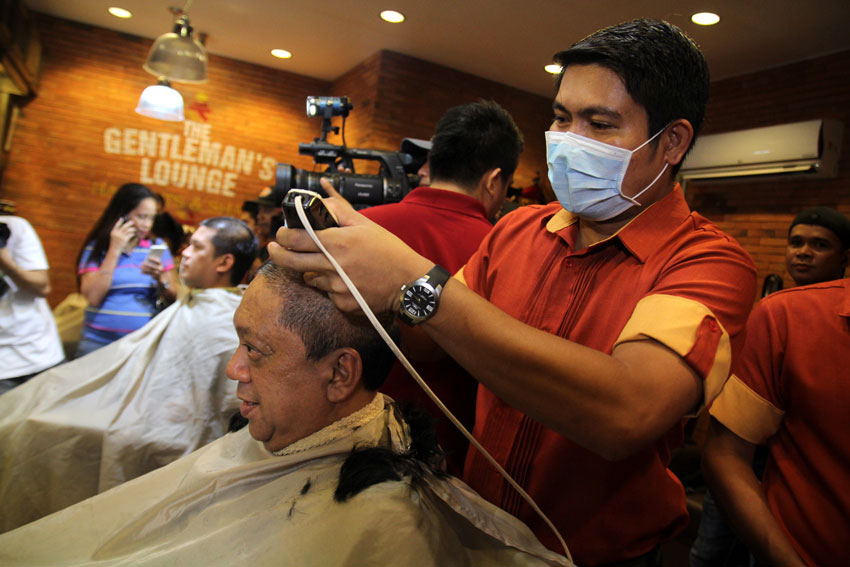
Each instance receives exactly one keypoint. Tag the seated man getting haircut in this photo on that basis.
(135, 405)
(309, 488)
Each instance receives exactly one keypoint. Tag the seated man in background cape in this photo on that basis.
(334, 475)
(146, 400)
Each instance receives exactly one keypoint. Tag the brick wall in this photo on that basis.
(758, 213)
(80, 138)
(61, 174)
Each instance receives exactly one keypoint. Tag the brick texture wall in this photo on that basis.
(80, 138)
(61, 172)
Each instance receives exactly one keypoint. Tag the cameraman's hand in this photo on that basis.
(122, 233)
(376, 261)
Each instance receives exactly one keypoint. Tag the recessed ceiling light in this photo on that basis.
(705, 18)
(392, 16)
(281, 53)
(120, 12)
(553, 68)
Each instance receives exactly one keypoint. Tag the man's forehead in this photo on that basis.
(260, 304)
(593, 88)
(203, 234)
(813, 231)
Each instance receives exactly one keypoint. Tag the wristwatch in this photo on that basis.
(420, 298)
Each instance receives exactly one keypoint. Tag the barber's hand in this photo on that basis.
(121, 234)
(376, 261)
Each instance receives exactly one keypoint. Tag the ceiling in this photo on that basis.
(507, 41)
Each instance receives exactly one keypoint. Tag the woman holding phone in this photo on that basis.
(123, 273)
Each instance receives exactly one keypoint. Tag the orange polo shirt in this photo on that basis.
(669, 276)
(791, 389)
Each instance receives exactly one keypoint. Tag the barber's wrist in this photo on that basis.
(408, 273)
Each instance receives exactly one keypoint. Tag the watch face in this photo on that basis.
(419, 300)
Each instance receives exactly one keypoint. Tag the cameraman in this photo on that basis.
(419, 150)
(474, 153)
(29, 340)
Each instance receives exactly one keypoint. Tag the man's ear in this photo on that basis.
(347, 371)
(677, 140)
(224, 263)
(490, 181)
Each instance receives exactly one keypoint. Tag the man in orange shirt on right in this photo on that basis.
(789, 389)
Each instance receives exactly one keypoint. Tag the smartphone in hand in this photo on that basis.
(156, 251)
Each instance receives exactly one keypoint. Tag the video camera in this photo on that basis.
(395, 179)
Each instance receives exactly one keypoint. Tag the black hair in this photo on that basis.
(828, 218)
(662, 69)
(125, 199)
(169, 229)
(367, 466)
(470, 140)
(252, 208)
(233, 236)
(323, 328)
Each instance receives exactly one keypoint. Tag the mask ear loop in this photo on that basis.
(644, 190)
(657, 177)
(305, 222)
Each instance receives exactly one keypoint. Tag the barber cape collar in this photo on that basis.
(399, 435)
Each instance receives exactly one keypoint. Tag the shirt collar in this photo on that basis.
(441, 199)
(845, 305)
(642, 234)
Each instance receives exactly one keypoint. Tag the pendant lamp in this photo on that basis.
(162, 102)
(178, 56)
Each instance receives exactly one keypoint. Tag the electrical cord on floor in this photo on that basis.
(305, 222)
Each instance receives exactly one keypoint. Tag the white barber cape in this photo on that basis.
(123, 410)
(234, 503)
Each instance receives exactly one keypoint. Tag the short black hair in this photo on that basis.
(233, 236)
(663, 69)
(323, 328)
(470, 140)
(828, 218)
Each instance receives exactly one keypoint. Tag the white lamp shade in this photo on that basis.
(161, 102)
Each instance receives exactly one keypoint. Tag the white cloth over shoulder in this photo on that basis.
(234, 503)
(126, 409)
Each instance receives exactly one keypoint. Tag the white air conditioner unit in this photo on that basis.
(809, 148)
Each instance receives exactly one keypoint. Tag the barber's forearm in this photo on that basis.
(728, 470)
(598, 400)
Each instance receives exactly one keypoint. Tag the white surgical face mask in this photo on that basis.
(587, 175)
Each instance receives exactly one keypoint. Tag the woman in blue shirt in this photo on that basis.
(121, 282)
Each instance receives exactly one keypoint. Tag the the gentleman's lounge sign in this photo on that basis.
(191, 161)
